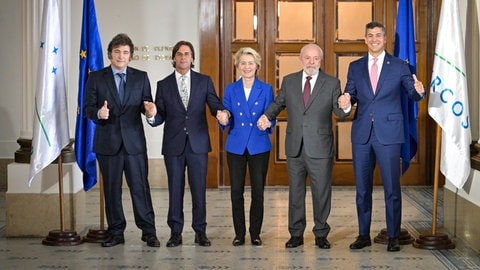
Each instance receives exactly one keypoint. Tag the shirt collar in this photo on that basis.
(115, 71)
(305, 75)
(178, 75)
(380, 57)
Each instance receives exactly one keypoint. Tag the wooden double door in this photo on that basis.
(278, 29)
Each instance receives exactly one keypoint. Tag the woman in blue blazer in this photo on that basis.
(246, 100)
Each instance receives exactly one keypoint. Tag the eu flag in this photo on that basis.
(405, 49)
(91, 59)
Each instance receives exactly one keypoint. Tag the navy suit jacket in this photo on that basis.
(382, 109)
(180, 122)
(244, 133)
(124, 124)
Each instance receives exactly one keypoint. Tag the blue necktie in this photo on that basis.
(121, 86)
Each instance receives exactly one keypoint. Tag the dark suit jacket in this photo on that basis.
(244, 133)
(384, 109)
(312, 124)
(124, 124)
(180, 122)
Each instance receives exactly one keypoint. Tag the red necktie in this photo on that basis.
(374, 74)
(306, 91)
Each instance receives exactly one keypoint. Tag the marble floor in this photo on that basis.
(30, 253)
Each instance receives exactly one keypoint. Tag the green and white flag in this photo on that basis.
(50, 121)
(448, 101)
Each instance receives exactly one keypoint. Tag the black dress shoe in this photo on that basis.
(393, 244)
(202, 240)
(322, 242)
(361, 242)
(256, 241)
(175, 240)
(238, 241)
(151, 240)
(113, 241)
(294, 242)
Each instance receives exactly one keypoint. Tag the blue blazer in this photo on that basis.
(124, 125)
(181, 123)
(243, 131)
(384, 109)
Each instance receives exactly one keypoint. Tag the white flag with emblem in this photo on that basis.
(448, 102)
(50, 121)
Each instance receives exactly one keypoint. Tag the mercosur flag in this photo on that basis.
(448, 102)
(50, 121)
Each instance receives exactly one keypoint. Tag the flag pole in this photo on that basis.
(435, 240)
(61, 237)
(98, 235)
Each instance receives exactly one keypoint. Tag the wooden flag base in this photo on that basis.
(434, 241)
(95, 236)
(62, 238)
(404, 239)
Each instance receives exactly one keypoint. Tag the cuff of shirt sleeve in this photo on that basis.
(150, 120)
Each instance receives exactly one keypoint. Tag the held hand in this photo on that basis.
(418, 85)
(263, 123)
(150, 109)
(222, 117)
(104, 111)
(344, 101)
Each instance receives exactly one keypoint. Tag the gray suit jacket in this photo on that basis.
(312, 124)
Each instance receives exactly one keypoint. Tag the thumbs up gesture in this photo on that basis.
(103, 113)
(418, 85)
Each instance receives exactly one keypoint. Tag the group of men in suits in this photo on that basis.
(115, 98)
(310, 96)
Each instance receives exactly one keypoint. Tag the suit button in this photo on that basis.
(254, 113)
(241, 113)
(243, 124)
(251, 124)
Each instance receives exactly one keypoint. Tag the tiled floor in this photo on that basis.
(29, 253)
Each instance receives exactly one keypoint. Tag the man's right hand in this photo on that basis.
(263, 123)
(103, 113)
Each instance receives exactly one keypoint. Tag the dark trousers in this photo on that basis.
(196, 165)
(258, 167)
(136, 172)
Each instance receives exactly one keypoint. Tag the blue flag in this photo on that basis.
(405, 50)
(91, 59)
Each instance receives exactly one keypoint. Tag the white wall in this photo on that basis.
(10, 76)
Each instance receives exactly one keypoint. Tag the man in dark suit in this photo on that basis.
(310, 97)
(115, 98)
(180, 101)
(375, 83)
